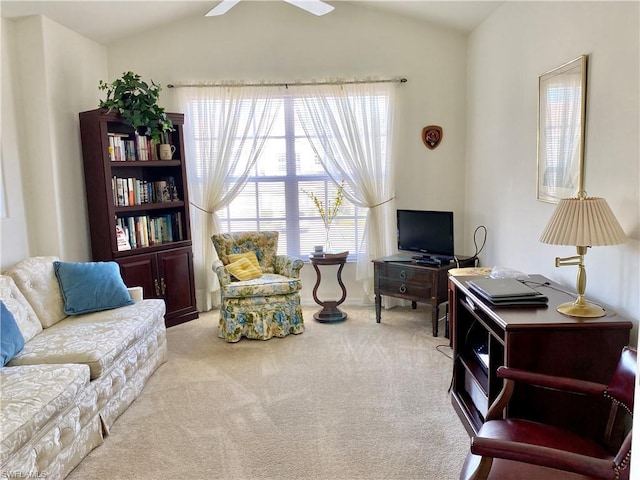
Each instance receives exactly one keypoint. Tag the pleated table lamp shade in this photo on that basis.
(583, 221)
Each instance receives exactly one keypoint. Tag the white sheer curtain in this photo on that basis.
(225, 131)
(352, 128)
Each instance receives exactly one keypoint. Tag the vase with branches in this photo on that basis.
(329, 211)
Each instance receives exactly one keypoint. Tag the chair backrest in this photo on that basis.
(619, 430)
(264, 244)
(622, 383)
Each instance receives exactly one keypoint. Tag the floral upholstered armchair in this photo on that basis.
(267, 303)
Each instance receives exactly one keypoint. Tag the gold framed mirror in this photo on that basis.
(562, 100)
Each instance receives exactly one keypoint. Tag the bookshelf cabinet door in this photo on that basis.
(140, 271)
(176, 281)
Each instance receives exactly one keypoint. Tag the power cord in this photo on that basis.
(474, 258)
(443, 352)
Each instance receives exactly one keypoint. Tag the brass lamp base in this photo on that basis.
(587, 310)
(580, 307)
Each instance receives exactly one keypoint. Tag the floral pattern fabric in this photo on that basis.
(267, 284)
(19, 307)
(32, 397)
(263, 307)
(263, 244)
(63, 392)
(52, 418)
(95, 339)
(260, 318)
(36, 279)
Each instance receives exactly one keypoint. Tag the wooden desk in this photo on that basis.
(330, 311)
(538, 339)
(417, 283)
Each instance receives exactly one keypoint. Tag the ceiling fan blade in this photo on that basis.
(317, 7)
(223, 7)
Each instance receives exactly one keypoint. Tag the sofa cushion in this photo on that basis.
(11, 339)
(91, 286)
(38, 283)
(268, 284)
(94, 339)
(20, 308)
(32, 396)
(242, 269)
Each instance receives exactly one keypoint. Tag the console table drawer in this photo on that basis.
(398, 288)
(401, 273)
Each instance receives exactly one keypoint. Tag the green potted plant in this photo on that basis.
(137, 103)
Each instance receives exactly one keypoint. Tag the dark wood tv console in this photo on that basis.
(538, 339)
(418, 283)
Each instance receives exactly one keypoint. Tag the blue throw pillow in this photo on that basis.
(91, 286)
(11, 339)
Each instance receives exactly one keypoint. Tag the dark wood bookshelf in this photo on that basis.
(163, 268)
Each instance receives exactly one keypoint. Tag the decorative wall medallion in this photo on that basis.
(431, 136)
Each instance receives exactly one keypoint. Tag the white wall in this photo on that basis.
(506, 55)
(502, 126)
(275, 41)
(13, 227)
(54, 73)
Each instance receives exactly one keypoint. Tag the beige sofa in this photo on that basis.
(75, 375)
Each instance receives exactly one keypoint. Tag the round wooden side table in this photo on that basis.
(330, 311)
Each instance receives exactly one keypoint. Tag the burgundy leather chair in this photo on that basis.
(517, 449)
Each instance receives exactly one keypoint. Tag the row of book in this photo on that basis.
(145, 230)
(132, 191)
(125, 148)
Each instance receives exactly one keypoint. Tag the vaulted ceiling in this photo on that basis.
(106, 22)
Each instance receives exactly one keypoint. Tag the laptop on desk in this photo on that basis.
(507, 292)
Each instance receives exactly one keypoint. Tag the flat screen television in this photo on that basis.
(429, 233)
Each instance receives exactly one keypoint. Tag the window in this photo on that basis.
(274, 196)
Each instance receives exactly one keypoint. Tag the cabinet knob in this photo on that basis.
(163, 286)
(402, 288)
(155, 284)
(403, 274)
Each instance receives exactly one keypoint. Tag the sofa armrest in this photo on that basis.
(223, 275)
(288, 266)
(137, 293)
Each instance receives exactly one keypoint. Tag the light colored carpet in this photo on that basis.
(353, 400)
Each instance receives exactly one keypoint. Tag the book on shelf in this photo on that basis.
(123, 239)
(116, 146)
(148, 230)
(132, 191)
(131, 147)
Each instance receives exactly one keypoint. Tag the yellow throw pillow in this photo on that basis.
(243, 270)
(251, 256)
